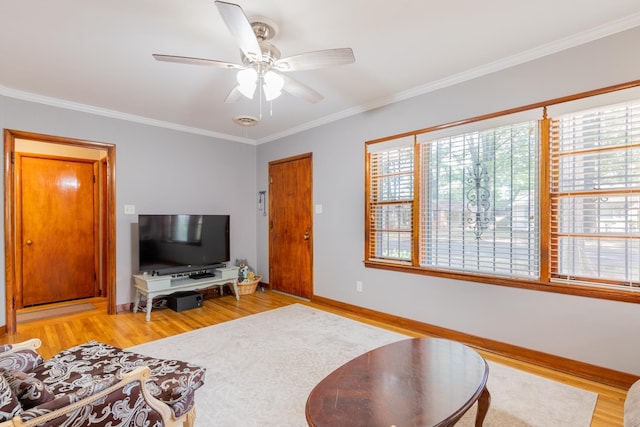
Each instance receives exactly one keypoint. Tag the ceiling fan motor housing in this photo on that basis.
(270, 54)
(263, 28)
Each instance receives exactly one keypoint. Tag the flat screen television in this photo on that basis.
(171, 244)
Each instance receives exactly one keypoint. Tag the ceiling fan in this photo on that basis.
(262, 65)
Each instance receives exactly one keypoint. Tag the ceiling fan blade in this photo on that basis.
(316, 59)
(240, 28)
(233, 96)
(296, 88)
(196, 61)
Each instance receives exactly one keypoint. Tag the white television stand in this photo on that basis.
(154, 286)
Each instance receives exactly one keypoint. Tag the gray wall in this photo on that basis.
(159, 171)
(600, 332)
(165, 171)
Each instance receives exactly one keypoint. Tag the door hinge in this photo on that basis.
(13, 302)
(13, 157)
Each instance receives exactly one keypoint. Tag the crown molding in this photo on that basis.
(84, 108)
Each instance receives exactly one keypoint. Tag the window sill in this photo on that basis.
(631, 296)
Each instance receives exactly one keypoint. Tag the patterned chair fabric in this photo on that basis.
(95, 384)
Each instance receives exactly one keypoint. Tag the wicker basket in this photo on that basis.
(246, 288)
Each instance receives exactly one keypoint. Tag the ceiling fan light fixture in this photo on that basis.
(273, 84)
(247, 82)
(247, 90)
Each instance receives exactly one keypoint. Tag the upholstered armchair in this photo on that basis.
(94, 384)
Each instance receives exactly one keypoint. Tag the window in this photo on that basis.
(480, 201)
(595, 195)
(530, 199)
(390, 198)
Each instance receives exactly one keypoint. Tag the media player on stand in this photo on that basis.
(201, 275)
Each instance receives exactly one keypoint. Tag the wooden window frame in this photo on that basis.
(544, 283)
(374, 201)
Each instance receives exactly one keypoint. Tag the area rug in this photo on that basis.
(45, 313)
(520, 399)
(261, 369)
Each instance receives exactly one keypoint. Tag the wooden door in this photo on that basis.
(56, 229)
(290, 226)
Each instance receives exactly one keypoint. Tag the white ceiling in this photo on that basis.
(96, 55)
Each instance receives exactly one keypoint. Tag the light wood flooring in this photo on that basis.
(128, 329)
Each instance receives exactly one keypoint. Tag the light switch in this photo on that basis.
(129, 209)
(318, 209)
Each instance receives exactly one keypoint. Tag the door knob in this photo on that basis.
(29, 242)
(306, 236)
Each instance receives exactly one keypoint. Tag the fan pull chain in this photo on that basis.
(260, 99)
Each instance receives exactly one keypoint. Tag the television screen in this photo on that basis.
(170, 244)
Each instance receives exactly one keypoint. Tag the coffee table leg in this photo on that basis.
(483, 406)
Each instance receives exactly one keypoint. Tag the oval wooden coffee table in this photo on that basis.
(413, 382)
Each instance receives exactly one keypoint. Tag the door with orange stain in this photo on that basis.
(56, 229)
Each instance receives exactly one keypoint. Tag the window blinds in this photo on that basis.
(390, 204)
(595, 195)
(480, 204)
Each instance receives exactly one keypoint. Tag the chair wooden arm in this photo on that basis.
(31, 344)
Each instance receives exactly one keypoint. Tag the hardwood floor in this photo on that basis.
(128, 329)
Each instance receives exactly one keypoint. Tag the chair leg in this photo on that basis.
(190, 420)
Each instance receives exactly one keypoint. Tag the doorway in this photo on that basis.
(291, 225)
(59, 221)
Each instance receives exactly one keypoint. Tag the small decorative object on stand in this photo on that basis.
(244, 269)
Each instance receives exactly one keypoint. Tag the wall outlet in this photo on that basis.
(359, 286)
